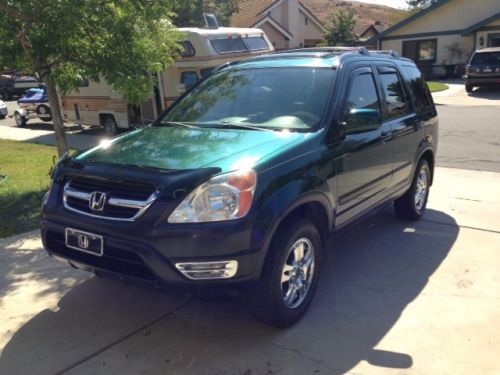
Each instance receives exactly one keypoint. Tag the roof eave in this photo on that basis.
(408, 20)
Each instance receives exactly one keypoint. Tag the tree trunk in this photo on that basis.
(57, 119)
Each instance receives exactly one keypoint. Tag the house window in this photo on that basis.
(423, 51)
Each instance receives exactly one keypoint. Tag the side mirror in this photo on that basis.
(362, 120)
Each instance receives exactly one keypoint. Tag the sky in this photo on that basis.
(391, 3)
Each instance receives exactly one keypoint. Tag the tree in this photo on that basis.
(124, 42)
(190, 13)
(340, 27)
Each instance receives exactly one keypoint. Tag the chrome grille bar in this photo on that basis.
(140, 206)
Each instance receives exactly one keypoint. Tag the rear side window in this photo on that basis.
(423, 101)
(486, 58)
(397, 105)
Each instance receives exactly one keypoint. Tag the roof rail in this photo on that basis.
(387, 52)
(361, 50)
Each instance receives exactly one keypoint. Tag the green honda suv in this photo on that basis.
(242, 180)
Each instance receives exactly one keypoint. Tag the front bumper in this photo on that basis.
(144, 260)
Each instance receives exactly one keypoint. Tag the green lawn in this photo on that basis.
(437, 86)
(27, 167)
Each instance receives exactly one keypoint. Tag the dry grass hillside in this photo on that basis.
(368, 14)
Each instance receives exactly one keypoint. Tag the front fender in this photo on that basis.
(280, 203)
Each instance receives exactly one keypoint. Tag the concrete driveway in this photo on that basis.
(417, 298)
(456, 95)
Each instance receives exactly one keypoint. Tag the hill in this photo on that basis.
(368, 14)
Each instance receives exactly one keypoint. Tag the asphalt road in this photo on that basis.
(469, 137)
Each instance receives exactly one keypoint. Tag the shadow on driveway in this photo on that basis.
(489, 92)
(369, 276)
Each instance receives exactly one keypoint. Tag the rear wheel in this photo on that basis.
(44, 113)
(110, 126)
(6, 95)
(20, 120)
(469, 88)
(412, 205)
(290, 275)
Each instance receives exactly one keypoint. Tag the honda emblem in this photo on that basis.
(97, 201)
(83, 241)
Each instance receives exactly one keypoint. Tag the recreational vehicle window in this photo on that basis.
(229, 45)
(256, 43)
(187, 49)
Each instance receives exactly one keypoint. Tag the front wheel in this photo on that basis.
(469, 88)
(20, 120)
(290, 275)
(412, 205)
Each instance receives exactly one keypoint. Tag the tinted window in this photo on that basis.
(486, 58)
(258, 97)
(363, 108)
(228, 45)
(187, 49)
(189, 78)
(256, 43)
(419, 89)
(394, 95)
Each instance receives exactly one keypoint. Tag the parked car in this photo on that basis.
(3, 110)
(16, 84)
(242, 180)
(483, 69)
(34, 104)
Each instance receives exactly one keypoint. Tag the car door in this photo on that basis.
(364, 160)
(399, 114)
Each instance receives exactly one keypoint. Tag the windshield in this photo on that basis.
(486, 58)
(273, 98)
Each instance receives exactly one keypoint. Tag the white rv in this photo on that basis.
(96, 103)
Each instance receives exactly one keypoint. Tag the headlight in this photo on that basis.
(225, 197)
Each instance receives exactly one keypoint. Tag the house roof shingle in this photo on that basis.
(250, 12)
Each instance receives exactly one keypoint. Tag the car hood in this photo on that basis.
(174, 148)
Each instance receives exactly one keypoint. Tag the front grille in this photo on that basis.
(114, 259)
(115, 200)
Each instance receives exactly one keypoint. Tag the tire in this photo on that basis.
(110, 126)
(44, 113)
(469, 88)
(269, 302)
(412, 205)
(6, 95)
(20, 120)
(2, 117)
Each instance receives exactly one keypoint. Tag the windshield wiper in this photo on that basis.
(176, 123)
(229, 125)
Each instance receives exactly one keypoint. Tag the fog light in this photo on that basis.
(208, 270)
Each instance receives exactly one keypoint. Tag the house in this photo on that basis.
(372, 31)
(445, 34)
(287, 23)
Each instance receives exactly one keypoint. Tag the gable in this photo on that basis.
(445, 16)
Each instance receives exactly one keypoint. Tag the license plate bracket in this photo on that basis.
(86, 242)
